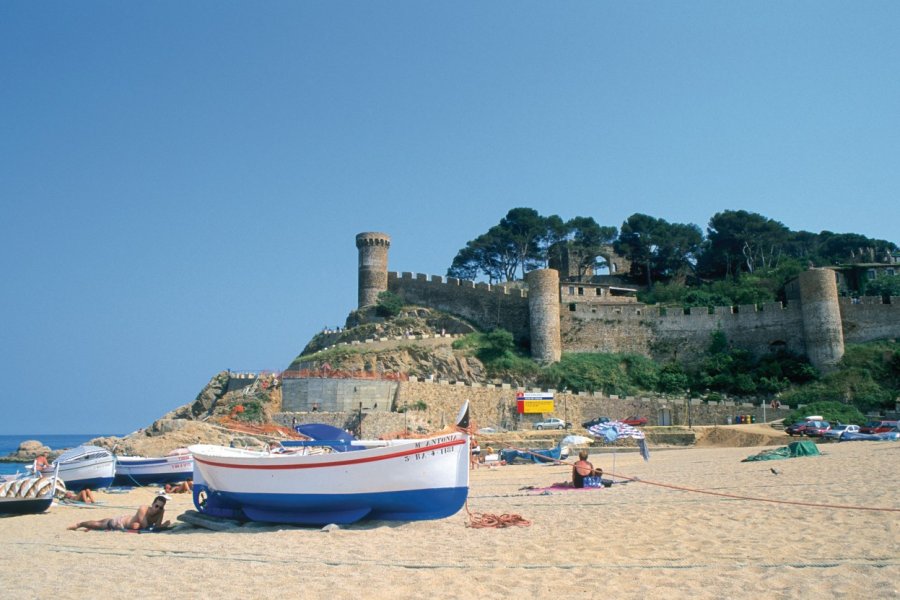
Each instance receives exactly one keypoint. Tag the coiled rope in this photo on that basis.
(490, 521)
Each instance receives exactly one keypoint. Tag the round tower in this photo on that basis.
(373, 266)
(821, 314)
(543, 314)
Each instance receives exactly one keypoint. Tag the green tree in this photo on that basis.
(658, 250)
(508, 250)
(589, 240)
(739, 241)
(884, 286)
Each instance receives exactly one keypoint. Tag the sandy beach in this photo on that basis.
(632, 540)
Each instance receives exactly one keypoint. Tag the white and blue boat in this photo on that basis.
(175, 467)
(397, 480)
(83, 467)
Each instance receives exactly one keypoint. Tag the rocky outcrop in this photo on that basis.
(207, 400)
(30, 450)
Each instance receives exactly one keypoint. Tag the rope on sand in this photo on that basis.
(489, 521)
(753, 498)
(732, 496)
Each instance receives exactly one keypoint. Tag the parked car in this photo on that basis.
(878, 426)
(838, 430)
(635, 421)
(816, 428)
(595, 421)
(796, 428)
(552, 423)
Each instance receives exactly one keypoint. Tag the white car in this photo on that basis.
(837, 430)
(552, 423)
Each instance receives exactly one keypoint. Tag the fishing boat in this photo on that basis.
(397, 480)
(83, 467)
(174, 467)
(27, 495)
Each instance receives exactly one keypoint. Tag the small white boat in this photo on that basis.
(83, 467)
(26, 495)
(401, 480)
(175, 467)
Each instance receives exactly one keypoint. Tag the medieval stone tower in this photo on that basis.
(543, 312)
(373, 266)
(823, 333)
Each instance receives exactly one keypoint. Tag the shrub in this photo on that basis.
(833, 412)
(388, 305)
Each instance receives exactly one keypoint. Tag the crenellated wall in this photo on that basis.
(677, 334)
(869, 318)
(484, 305)
(814, 322)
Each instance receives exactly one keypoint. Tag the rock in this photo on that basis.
(31, 449)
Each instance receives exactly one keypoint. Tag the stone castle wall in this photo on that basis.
(814, 323)
(663, 333)
(495, 406)
(669, 334)
(487, 306)
(869, 318)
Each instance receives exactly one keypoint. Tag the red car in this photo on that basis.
(878, 426)
(635, 421)
(796, 429)
(816, 428)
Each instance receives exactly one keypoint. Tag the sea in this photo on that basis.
(10, 443)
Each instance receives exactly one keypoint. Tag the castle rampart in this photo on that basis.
(484, 305)
(869, 318)
(814, 322)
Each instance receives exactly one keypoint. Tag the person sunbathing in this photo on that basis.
(180, 488)
(146, 517)
(85, 495)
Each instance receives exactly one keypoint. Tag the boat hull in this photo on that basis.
(27, 495)
(405, 480)
(86, 467)
(24, 506)
(140, 471)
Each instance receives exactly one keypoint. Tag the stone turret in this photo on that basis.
(373, 266)
(543, 309)
(821, 314)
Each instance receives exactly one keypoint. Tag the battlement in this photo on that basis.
(464, 284)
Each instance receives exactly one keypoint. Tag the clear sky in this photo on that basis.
(182, 182)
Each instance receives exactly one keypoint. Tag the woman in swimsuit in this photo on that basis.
(583, 468)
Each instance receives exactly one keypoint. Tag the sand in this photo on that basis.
(632, 540)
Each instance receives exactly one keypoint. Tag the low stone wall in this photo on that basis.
(425, 405)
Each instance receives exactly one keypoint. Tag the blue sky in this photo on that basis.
(182, 181)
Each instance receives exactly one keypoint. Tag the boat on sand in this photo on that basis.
(175, 467)
(397, 480)
(27, 495)
(83, 467)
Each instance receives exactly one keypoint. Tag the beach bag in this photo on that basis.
(592, 481)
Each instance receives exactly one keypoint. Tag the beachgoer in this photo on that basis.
(583, 468)
(145, 518)
(85, 495)
(41, 464)
(180, 488)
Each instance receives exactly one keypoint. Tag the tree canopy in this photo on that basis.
(748, 248)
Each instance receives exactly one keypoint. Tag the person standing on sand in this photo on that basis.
(145, 518)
